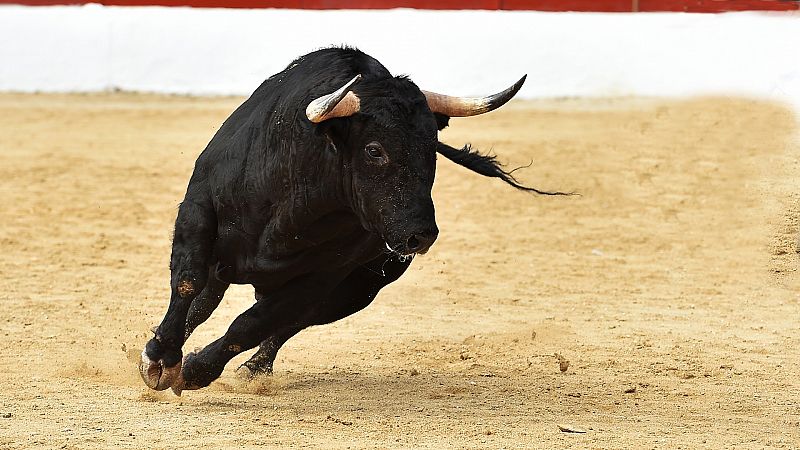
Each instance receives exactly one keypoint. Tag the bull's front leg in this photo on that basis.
(195, 229)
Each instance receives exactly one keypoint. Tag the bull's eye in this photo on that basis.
(376, 153)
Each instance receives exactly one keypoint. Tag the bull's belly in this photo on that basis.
(270, 270)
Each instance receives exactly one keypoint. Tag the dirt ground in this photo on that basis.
(669, 288)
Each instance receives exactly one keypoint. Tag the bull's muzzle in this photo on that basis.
(420, 241)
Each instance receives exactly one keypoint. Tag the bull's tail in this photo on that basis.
(486, 165)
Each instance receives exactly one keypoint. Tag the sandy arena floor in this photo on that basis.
(670, 286)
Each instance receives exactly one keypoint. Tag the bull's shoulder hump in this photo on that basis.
(341, 61)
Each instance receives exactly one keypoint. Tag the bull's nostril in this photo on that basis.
(413, 244)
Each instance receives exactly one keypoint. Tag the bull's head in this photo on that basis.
(387, 130)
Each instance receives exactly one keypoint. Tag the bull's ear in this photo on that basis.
(335, 130)
(442, 121)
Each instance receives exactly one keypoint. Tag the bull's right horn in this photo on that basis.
(341, 103)
(470, 106)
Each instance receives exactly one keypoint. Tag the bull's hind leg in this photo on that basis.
(353, 294)
(195, 229)
(252, 327)
(262, 360)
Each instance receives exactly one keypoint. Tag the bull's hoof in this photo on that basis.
(180, 383)
(155, 375)
(244, 373)
(250, 370)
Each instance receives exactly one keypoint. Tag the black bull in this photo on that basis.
(316, 191)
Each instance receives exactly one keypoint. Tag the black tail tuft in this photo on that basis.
(487, 165)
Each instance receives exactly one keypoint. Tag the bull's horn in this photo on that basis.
(470, 106)
(341, 103)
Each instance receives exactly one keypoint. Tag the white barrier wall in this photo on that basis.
(227, 51)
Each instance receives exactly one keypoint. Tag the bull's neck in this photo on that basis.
(315, 180)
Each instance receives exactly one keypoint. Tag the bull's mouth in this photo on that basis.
(403, 257)
(411, 240)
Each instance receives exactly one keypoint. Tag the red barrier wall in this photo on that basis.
(537, 5)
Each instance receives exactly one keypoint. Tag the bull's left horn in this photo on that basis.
(470, 106)
(341, 103)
